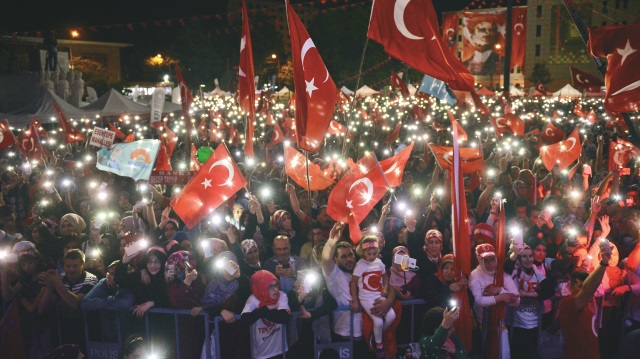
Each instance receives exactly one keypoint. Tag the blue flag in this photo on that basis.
(438, 89)
(132, 159)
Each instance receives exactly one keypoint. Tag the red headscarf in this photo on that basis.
(260, 282)
(449, 258)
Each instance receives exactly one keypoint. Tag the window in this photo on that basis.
(605, 6)
(459, 54)
(538, 30)
(459, 38)
(537, 50)
(625, 4)
(617, 4)
(604, 23)
(539, 11)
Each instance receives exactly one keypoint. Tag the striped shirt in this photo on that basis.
(82, 286)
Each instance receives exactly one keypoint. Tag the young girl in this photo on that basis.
(369, 283)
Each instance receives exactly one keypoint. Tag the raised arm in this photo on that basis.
(594, 279)
(327, 252)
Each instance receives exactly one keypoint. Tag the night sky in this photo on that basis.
(28, 16)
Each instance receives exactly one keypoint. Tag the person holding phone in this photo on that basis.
(438, 338)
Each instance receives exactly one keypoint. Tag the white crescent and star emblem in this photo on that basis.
(500, 124)
(303, 52)
(398, 17)
(628, 50)
(583, 81)
(616, 159)
(549, 132)
(573, 143)
(333, 126)
(515, 27)
(367, 196)
(371, 275)
(392, 168)
(243, 44)
(228, 166)
(629, 87)
(449, 30)
(447, 157)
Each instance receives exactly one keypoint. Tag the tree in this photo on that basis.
(93, 73)
(540, 73)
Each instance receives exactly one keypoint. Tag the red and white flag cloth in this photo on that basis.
(336, 128)
(450, 29)
(119, 134)
(194, 164)
(577, 109)
(167, 136)
(185, 101)
(551, 133)
(30, 145)
(620, 153)
(42, 133)
(71, 133)
(295, 167)
(462, 134)
(7, 138)
(408, 30)
(393, 136)
(508, 123)
(472, 159)
(620, 45)
(354, 196)
(562, 153)
(591, 117)
(585, 81)
(277, 136)
(246, 84)
(162, 161)
(392, 167)
(315, 89)
(396, 82)
(217, 180)
(519, 37)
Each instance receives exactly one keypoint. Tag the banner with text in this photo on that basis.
(102, 137)
(157, 104)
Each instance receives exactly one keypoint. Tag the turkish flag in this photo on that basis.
(202, 127)
(497, 312)
(408, 30)
(162, 162)
(472, 159)
(294, 165)
(165, 134)
(246, 84)
(551, 133)
(194, 164)
(591, 117)
(130, 138)
(620, 153)
(119, 134)
(393, 136)
(577, 109)
(30, 145)
(71, 133)
(336, 128)
(354, 196)
(397, 82)
(316, 91)
(462, 134)
(461, 235)
(540, 88)
(450, 29)
(6, 136)
(392, 167)
(620, 45)
(562, 153)
(42, 133)
(519, 36)
(277, 136)
(508, 123)
(185, 101)
(616, 121)
(584, 80)
(217, 180)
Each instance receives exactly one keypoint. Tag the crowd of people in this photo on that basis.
(79, 243)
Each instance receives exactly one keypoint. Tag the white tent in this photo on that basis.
(346, 91)
(42, 110)
(514, 91)
(567, 92)
(168, 107)
(114, 103)
(175, 95)
(412, 89)
(366, 91)
(283, 91)
(217, 92)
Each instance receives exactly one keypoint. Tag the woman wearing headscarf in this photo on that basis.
(439, 290)
(184, 291)
(72, 223)
(224, 296)
(270, 305)
(282, 225)
(404, 282)
(247, 251)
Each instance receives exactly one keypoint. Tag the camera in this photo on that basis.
(405, 262)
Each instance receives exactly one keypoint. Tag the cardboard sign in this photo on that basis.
(102, 137)
(171, 177)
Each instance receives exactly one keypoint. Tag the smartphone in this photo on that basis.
(286, 266)
(625, 171)
(453, 305)
(136, 247)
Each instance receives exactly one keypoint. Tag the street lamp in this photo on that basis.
(275, 57)
(75, 34)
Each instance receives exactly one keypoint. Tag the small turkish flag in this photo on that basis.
(316, 91)
(119, 134)
(397, 82)
(354, 196)
(130, 138)
(508, 123)
(202, 127)
(551, 133)
(616, 121)
(562, 153)
(393, 136)
(591, 117)
(471, 158)
(185, 101)
(214, 184)
(71, 133)
(462, 134)
(277, 136)
(408, 30)
(295, 167)
(162, 162)
(165, 134)
(620, 153)
(6, 136)
(246, 84)
(577, 109)
(540, 88)
(194, 164)
(585, 81)
(392, 167)
(42, 133)
(336, 128)
(30, 145)
(620, 45)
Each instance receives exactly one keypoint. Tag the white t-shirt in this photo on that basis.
(266, 335)
(478, 281)
(370, 279)
(338, 286)
(526, 314)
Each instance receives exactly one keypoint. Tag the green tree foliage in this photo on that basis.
(540, 73)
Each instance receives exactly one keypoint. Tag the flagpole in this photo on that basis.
(352, 104)
(306, 154)
(384, 176)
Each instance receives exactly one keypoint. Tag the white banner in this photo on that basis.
(157, 103)
(102, 137)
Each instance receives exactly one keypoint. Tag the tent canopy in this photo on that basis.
(42, 110)
(346, 91)
(114, 103)
(169, 107)
(567, 92)
(366, 91)
(514, 91)
(485, 92)
(283, 91)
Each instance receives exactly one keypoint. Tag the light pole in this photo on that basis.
(275, 57)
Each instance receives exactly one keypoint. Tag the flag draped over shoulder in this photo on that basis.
(246, 84)
(132, 159)
(408, 30)
(316, 93)
(461, 238)
(217, 180)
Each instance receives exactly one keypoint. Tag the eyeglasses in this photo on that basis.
(274, 286)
